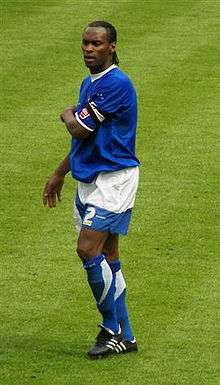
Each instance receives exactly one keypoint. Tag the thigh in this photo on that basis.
(90, 243)
(111, 247)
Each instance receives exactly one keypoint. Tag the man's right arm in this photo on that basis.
(53, 187)
(64, 167)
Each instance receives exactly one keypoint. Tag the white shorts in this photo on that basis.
(106, 203)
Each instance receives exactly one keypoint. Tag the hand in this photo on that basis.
(68, 114)
(52, 190)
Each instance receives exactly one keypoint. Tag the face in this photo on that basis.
(97, 51)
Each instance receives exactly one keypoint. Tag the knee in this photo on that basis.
(90, 244)
(80, 254)
(84, 252)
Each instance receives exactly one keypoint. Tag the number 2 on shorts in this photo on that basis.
(89, 215)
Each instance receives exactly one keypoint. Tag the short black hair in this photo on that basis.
(111, 32)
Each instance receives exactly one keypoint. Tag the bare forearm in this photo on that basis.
(72, 125)
(64, 167)
(73, 128)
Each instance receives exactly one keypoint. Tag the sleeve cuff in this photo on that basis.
(82, 123)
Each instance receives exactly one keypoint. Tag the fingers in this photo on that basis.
(59, 196)
(52, 191)
(52, 200)
(49, 198)
(45, 195)
(69, 110)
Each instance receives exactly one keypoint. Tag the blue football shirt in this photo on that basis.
(107, 107)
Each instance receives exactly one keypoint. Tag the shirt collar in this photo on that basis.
(100, 74)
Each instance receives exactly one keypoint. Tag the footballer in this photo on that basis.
(102, 128)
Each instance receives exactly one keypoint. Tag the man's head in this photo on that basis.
(99, 46)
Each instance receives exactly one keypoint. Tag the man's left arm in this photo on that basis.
(85, 119)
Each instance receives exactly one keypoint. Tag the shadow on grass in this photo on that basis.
(55, 349)
(33, 344)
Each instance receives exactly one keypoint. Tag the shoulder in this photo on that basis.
(117, 76)
(85, 82)
(116, 80)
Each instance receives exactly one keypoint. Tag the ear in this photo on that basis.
(112, 47)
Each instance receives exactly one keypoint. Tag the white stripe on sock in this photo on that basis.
(107, 278)
(119, 284)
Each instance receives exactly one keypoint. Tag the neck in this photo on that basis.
(98, 69)
(95, 76)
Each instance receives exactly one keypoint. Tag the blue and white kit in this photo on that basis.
(104, 164)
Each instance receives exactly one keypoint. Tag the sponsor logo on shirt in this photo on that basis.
(84, 113)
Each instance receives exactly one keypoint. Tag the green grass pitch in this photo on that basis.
(171, 256)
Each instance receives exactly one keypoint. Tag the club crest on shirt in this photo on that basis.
(84, 113)
(100, 95)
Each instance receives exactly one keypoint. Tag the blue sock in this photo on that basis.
(120, 293)
(101, 282)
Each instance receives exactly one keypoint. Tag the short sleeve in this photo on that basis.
(102, 104)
